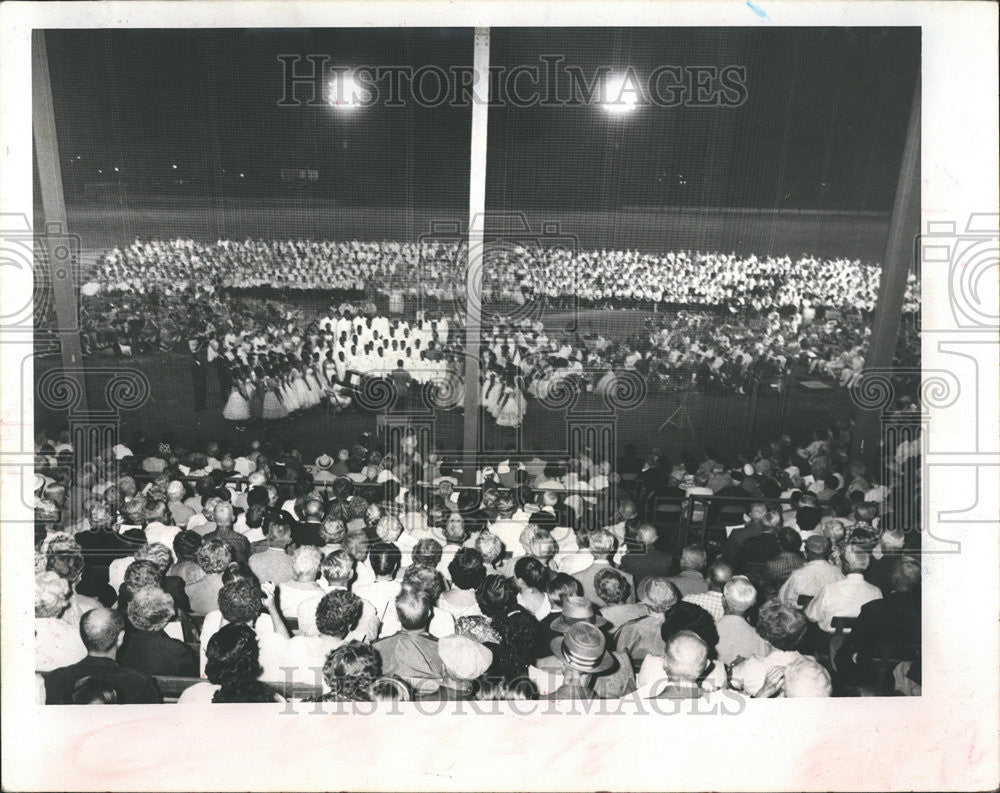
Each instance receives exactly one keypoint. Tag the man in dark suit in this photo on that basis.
(199, 372)
(402, 380)
(880, 570)
(146, 647)
(225, 517)
(753, 527)
(102, 631)
(644, 559)
(894, 620)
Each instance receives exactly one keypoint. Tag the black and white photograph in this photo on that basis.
(471, 381)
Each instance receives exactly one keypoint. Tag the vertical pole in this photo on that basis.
(474, 272)
(55, 231)
(904, 227)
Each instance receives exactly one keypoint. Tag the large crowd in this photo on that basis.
(220, 574)
(280, 358)
(510, 271)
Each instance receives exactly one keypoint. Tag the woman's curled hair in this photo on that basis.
(234, 664)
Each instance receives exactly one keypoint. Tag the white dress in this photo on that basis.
(289, 397)
(237, 406)
(302, 392)
(511, 411)
(316, 391)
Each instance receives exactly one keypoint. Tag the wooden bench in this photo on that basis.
(172, 687)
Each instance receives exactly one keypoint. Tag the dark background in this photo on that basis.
(822, 127)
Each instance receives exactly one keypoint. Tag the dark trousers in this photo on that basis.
(200, 385)
(225, 378)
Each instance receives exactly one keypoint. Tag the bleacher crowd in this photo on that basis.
(509, 272)
(200, 573)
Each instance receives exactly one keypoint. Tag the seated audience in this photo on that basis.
(844, 598)
(782, 627)
(691, 579)
(411, 654)
(57, 642)
(232, 669)
(102, 631)
(737, 639)
(303, 586)
(146, 647)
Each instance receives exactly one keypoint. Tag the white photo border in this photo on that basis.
(945, 739)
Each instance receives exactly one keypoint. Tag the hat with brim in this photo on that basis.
(324, 462)
(464, 658)
(584, 649)
(576, 609)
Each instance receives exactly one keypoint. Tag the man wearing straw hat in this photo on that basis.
(549, 674)
(582, 650)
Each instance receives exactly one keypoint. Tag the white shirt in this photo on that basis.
(381, 594)
(442, 623)
(57, 644)
(509, 531)
(291, 594)
(365, 630)
(214, 621)
(116, 571)
(652, 671)
(363, 575)
(841, 599)
(162, 533)
(809, 580)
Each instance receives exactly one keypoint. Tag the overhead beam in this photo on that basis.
(474, 266)
(904, 228)
(54, 234)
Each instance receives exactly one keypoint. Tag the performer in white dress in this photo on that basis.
(288, 395)
(237, 407)
(510, 411)
(302, 392)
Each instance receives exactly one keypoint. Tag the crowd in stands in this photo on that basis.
(253, 576)
(510, 272)
(281, 360)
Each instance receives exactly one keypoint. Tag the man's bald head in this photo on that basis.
(685, 657)
(804, 677)
(647, 534)
(100, 629)
(223, 514)
(718, 575)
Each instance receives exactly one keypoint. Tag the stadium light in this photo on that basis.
(346, 93)
(621, 94)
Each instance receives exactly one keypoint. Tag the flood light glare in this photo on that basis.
(346, 93)
(621, 94)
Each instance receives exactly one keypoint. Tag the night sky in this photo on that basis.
(821, 127)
